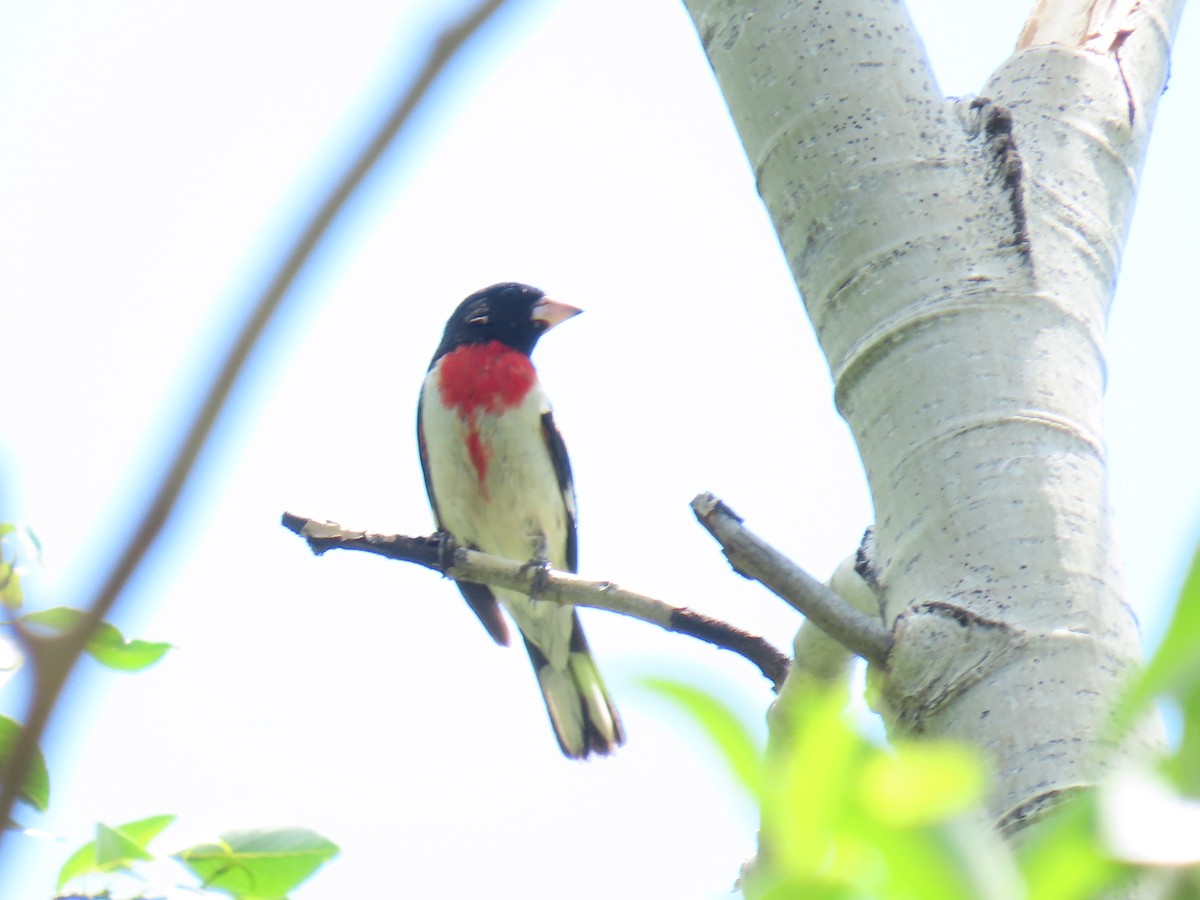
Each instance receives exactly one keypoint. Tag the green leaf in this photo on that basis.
(27, 538)
(1187, 884)
(1174, 673)
(107, 645)
(58, 618)
(1183, 766)
(22, 539)
(1066, 860)
(81, 862)
(811, 766)
(18, 543)
(36, 789)
(143, 831)
(922, 783)
(114, 848)
(110, 648)
(842, 817)
(11, 595)
(720, 723)
(1175, 668)
(259, 864)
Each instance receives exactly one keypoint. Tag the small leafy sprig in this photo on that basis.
(252, 864)
(255, 864)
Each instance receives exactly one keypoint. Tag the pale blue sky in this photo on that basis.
(157, 155)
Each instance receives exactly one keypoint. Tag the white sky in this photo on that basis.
(156, 157)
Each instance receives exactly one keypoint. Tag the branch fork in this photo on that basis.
(748, 554)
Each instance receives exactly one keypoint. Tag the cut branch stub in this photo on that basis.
(753, 558)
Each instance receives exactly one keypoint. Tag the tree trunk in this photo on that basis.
(957, 259)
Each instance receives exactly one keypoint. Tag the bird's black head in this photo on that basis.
(514, 314)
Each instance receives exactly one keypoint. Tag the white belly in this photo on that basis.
(511, 507)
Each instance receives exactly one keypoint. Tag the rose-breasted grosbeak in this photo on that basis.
(499, 480)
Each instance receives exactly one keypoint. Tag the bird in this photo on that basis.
(499, 480)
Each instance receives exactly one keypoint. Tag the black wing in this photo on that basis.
(562, 468)
(478, 596)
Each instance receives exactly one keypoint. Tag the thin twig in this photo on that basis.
(464, 564)
(54, 660)
(754, 558)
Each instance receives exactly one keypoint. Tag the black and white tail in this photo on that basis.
(584, 718)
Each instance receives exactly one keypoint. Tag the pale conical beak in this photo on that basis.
(551, 312)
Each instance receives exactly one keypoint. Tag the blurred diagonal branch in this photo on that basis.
(54, 658)
(438, 552)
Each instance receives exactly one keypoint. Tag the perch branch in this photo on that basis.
(462, 564)
(754, 558)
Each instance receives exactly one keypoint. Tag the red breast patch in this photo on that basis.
(484, 378)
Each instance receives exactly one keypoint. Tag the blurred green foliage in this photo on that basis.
(843, 817)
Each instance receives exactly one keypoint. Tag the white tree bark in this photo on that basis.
(957, 259)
